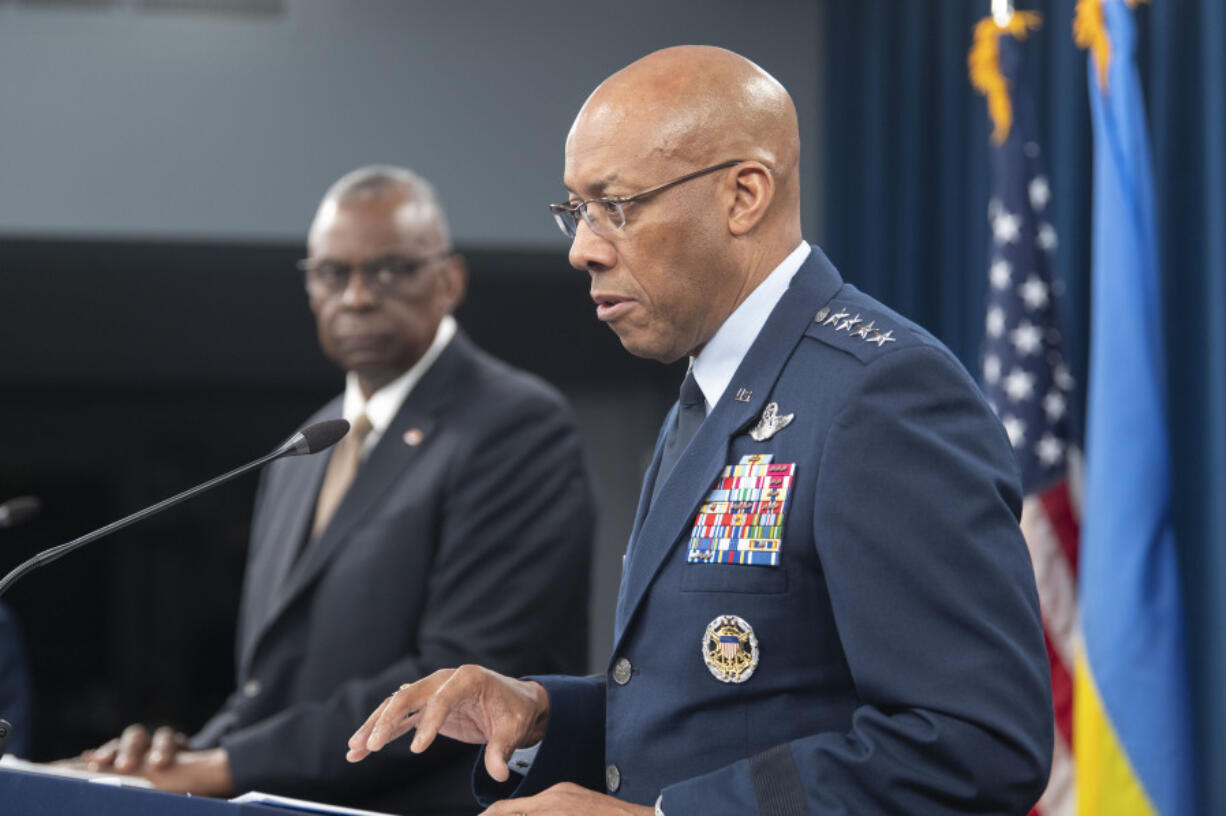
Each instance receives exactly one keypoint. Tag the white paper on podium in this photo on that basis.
(258, 797)
(13, 763)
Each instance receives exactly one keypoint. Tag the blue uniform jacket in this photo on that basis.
(901, 663)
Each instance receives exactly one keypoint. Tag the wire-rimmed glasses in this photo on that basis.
(606, 215)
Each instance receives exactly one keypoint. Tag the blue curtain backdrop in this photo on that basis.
(905, 219)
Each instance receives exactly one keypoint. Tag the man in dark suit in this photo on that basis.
(826, 605)
(452, 525)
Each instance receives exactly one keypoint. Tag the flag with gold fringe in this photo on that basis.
(1024, 373)
(1132, 729)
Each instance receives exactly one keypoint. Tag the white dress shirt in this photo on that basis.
(384, 404)
(719, 359)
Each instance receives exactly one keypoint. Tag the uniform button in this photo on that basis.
(622, 671)
(252, 688)
(612, 778)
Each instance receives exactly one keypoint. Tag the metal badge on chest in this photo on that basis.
(730, 649)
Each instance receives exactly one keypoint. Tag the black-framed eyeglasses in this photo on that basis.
(385, 275)
(606, 215)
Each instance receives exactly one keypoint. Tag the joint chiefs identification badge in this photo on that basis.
(730, 649)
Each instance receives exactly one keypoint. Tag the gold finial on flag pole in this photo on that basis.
(984, 61)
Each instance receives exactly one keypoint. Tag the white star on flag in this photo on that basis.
(1006, 227)
(1049, 450)
(996, 321)
(1015, 428)
(1040, 193)
(1047, 237)
(991, 369)
(1027, 338)
(1063, 377)
(1034, 293)
(1000, 273)
(1054, 406)
(1019, 384)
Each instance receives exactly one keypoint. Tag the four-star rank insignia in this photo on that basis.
(730, 649)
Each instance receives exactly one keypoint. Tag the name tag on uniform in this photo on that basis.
(741, 520)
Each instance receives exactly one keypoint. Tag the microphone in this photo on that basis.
(312, 439)
(19, 510)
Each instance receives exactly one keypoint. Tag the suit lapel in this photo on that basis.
(666, 519)
(376, 476)
(288, 518)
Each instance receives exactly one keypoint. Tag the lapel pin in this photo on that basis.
(770, 424)
(743, 395)
(413, 437)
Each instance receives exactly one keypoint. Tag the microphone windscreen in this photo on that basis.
(323, 435)
(15, 511)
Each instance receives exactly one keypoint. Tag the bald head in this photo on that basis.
(702, 146)
(417, 213)
(692, 106)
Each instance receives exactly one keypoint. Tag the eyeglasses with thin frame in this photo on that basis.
(385, 276)
(607, 215)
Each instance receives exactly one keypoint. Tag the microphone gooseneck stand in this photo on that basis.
(309, 440)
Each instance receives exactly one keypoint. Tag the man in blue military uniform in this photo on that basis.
(826, 604)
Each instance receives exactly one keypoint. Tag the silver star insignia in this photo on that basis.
(836, 317)
(865, 329)
(850, 323)
(770, 424)
(882, 339)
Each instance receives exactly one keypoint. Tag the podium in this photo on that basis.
(31, 794)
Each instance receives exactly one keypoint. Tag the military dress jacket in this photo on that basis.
(464, 538)
(878, 649)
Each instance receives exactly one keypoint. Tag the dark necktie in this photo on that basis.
(692, 410)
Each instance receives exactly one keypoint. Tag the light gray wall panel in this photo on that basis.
(117, 119)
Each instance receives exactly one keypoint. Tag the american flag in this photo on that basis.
(1029, 386)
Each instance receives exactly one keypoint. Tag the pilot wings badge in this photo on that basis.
(770, 424)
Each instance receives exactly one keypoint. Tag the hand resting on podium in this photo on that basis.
(162, 758)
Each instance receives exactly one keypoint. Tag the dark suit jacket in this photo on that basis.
(472, 546)
(14, 685)
(901, 664)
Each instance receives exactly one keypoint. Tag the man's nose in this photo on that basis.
(358, 293)
(589, 252)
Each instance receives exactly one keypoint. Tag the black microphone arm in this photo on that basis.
(311, 439)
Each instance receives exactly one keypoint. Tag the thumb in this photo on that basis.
(496, 756)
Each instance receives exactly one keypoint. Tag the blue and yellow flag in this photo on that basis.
(1132, 728)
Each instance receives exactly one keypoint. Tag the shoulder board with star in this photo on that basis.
(863, 332)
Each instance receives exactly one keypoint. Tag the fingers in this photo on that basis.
(357, 743)
(457, 688)
(392, 718)
(165, 746)
(133, 745)
(103, 756)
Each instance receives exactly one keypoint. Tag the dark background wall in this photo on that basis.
(159, 163)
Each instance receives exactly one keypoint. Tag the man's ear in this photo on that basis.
(454, 282)
(755, 189)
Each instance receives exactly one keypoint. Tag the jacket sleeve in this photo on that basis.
(507, 590)
(916, 526)
(573, 747)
